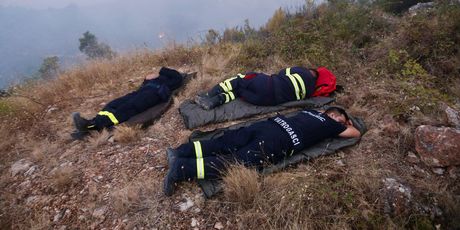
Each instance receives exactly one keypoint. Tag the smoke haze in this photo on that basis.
(31, 30)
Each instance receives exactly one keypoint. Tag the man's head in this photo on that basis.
(337, 114)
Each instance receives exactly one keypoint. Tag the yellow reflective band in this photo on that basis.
(302, 85)
(223, 86)
(296, 79)
(227, 98)
(110, 115)
(232, 96)
(199, 160)
(294, 83)
(228, 84)
(90, 126)
(241, 75)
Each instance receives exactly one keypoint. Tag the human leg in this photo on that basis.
(221, 93)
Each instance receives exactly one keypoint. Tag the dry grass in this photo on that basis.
(126, 134)
(43, 149)
(65, 177)
(317, 196)
(132, 197)
(97, 139)
(241, 185)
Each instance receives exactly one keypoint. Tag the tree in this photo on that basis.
(93, 49)
(49, 68)
(212, 37)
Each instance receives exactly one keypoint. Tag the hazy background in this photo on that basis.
(31, 30)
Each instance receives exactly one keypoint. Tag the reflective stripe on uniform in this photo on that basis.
(232, 96)
(224, 87)
(296, 79)
(199, 160)
(229, 84)
(110, 116)
(241, 75)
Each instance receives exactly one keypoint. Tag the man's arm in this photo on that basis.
(351, 131)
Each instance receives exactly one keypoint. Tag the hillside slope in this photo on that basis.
(398, 72)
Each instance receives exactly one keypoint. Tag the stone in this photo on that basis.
(59, 215)
(453, 117)
(438, 146)
(194, 223)
(218, 225)
(412, 158)
(439, 171)
(340, 163)
(454, 172)
(20, 166)
(397, 197)
(31, 170)
(186, 205)
(99, 213)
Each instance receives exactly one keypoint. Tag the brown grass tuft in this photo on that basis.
(241, 185)
(126, 134)
(97, 139)
(65, 177)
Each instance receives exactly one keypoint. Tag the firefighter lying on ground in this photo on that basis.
(290, 84)
(154, 90)
(262, 143)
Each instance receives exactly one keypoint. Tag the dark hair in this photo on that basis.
(335, 109)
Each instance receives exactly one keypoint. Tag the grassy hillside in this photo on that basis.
(397, 70)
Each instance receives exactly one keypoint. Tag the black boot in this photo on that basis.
(216, 90)
(210, 102)
(169, 183)
(81, 124)
(172, 155)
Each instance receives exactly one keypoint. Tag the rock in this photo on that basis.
(396, 196)
(421, 6)
(51, 109)
(194, 223)
(412, 158)
(99, 213)
(20, 166)
(59, 215)
(438, 146)
(439, 171)
(453, 117)
(30, 171)
(186, 205)
(340, 163)
(454, 172)
(218, 225)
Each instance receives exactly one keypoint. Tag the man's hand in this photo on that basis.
(351, 131)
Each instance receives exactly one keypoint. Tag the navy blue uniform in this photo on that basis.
(151, 93)
(290, 84)
(265, 142)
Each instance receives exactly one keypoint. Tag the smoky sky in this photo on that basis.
(31, 30)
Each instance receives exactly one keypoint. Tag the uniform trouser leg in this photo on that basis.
(258, 91)
(123, 108)
(227, 89)
(209, 159)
